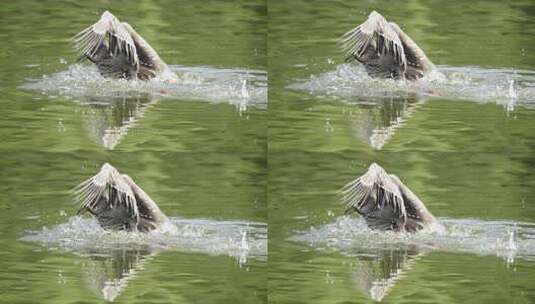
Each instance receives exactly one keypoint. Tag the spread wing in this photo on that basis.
(107, 190)
(110, 33)
(375, 33)
(376, 197)
(149, 61)
(417, 61)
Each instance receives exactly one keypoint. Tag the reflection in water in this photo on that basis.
(108, 273)
(384, 257)
(115, 105)
(375, 275)
(384, 105)
(109, 123)
(115, 257)
(376, 122)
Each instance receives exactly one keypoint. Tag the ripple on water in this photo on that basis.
(503, 86)
(351, 236)
(240, 87)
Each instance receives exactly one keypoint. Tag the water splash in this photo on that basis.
(113, 258)
(328, 126)
(378, 260)
(512, 91)
(117, 105)
(351, 236)
(472, 83)
(61, 126)
(244, 89)
(83, 235)
(84, 83)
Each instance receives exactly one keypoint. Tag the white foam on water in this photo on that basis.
(238, 239)
(240, 87)
(113, 258)
(503, 86)
(351, 236)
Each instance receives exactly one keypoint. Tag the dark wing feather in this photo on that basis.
(107, 193)
(110, 32)
(376, 33)
(417, 61)
(375, 196)
(150, 62)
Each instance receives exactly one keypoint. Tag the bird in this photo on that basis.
(386, 203)
(119, 51)
(385, 50)
(117, 202)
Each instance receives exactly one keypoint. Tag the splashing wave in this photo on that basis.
(351, 236)
(241, 240)
(83, 83)
(503, 86)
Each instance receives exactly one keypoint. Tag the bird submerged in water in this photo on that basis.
(117, 202)
(386, 203)
(385, 50)
(119, 51)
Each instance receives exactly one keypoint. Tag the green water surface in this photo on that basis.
(281, 166)
(464, 159)
(196, 159)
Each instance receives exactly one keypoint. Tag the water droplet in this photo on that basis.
(328, 126)
(512, 91)
(244, 245)
(511, 245)
(328, 279)
(244, 91)
(61, 126)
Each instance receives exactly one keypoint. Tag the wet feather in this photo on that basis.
(384, 50)
(375, 29)
(117, 202)
(386, 203)
(107, 182)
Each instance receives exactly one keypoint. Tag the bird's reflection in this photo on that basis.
(375, 275)
(109, 122)
(378, 122)
(108, 273)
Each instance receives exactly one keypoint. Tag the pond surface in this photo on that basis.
(198, 149)
(463, 142)
(465, 146)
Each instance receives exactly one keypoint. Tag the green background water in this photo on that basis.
(464, 159)
(202, 160)
(196, 159)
